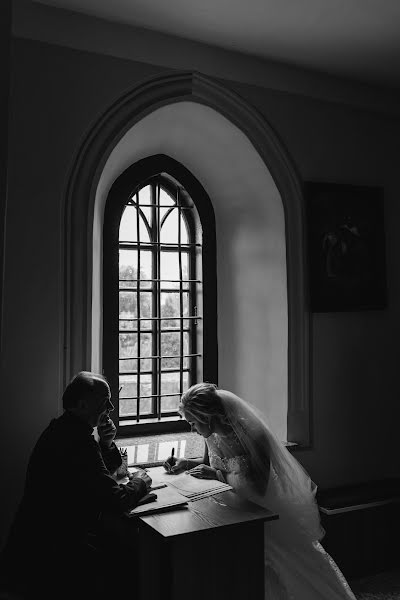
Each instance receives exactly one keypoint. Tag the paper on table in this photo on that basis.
(156, 474)
(185, 484)
(167, 499)
(192, 487)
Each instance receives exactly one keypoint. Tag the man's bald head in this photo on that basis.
(88, 396)
(84, 384)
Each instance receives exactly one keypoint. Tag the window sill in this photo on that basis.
(153, 449)
(154, 427)
(292, 446)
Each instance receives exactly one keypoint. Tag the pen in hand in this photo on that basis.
(171, 460)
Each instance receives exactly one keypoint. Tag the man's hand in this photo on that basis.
(203, 472)
(141, 475)
(107, 431)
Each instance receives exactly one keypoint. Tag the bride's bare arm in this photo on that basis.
(203, 470)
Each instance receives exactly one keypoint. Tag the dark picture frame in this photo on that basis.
(346, 247)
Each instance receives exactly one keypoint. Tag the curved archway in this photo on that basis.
(88, 167)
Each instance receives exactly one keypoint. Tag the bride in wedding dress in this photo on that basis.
(242, 451)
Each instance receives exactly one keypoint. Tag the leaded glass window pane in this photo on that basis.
(158, 316)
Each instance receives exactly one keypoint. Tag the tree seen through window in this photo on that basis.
(157, 301)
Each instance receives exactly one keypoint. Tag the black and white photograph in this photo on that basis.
(199, 299)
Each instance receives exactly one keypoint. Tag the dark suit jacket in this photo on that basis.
(68, 486)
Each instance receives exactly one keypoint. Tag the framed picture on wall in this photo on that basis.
(346, 247)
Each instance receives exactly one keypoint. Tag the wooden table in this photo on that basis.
(213, 549)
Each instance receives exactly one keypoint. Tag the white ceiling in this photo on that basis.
(359, 39)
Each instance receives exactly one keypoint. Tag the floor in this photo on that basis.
(383, 586)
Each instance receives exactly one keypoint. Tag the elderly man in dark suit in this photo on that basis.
(69, 490)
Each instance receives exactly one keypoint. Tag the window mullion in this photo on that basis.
(154, 302)
(192, 307)
(180, 296)
(158, 284)
(138, 322)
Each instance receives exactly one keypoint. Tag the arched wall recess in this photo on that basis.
(79, 208)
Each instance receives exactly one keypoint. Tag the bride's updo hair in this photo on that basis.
(203, 402)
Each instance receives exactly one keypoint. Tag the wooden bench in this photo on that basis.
(362, 524)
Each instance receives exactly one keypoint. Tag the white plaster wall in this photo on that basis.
(251, 257)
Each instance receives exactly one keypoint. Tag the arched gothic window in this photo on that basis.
(157, 312)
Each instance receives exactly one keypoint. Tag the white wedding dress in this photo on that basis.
(296, 565)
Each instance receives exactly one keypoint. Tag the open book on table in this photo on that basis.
(187, 485)
(194, 489)
(167, 499)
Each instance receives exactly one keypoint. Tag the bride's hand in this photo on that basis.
(176, 467)
(203, 472)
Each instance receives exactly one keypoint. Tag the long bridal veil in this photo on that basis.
(287, 488)
(296, 565)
